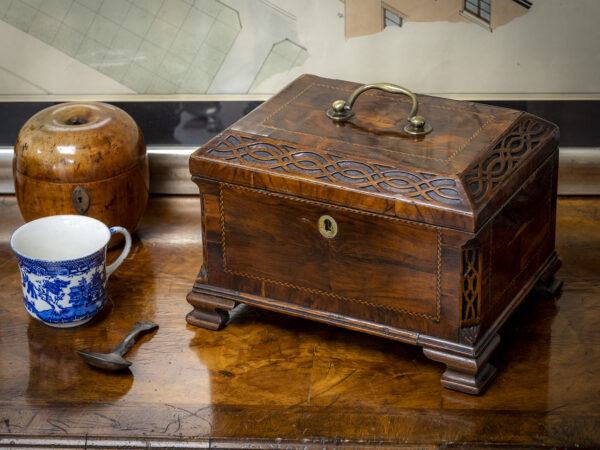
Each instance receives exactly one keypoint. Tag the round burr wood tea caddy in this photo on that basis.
(82, 158)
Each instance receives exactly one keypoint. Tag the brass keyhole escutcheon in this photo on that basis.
(80, 199)
(328, 227)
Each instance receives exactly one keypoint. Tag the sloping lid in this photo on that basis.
(457, 176)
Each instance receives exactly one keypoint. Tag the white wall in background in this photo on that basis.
(554, 48)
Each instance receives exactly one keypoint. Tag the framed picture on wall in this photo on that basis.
(185, 69)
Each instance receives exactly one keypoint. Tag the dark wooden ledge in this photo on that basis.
(274, 380)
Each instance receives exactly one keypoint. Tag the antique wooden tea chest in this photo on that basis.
(428, 231)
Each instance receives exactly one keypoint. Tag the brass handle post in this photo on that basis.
(341, 110)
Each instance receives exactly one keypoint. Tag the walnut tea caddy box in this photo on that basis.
(427, 231)
(85, 158)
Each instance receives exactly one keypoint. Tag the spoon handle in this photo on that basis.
(138, 329)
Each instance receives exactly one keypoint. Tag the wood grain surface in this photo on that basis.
(82, 155)
(438, 238)
(273, 380)
(458, 176)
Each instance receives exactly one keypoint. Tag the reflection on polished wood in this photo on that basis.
(273, 379)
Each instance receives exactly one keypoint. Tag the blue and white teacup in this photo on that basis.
(63, 267)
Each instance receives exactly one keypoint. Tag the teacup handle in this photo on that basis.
(110, 269)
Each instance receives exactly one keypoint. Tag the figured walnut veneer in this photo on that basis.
(439, 237)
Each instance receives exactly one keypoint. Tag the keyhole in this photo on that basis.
(80, 198)
(328, 227)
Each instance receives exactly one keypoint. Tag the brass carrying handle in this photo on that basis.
(341, 110)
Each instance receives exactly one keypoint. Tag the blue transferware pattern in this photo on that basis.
(64, 291)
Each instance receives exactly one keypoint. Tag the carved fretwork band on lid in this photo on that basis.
(482, 180)
(269, 154)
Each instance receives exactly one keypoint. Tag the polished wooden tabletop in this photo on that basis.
(274, 380)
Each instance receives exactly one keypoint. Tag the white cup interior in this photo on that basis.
(58, 238)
